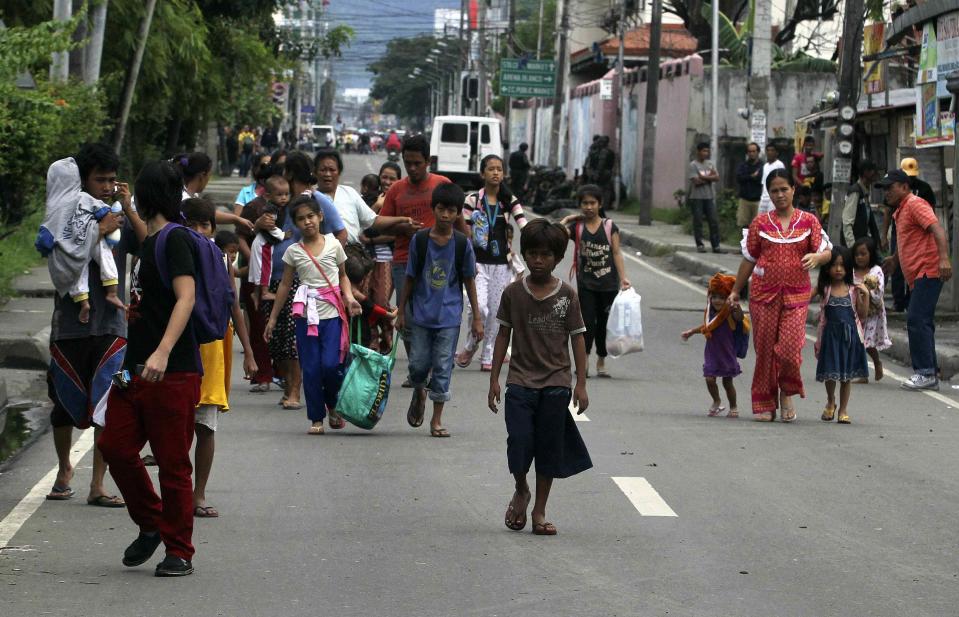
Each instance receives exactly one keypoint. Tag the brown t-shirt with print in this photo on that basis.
(541, 331)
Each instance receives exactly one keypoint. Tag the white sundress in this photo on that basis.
(874, 327)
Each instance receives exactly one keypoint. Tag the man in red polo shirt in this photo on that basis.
(412, 197)
(923, 255)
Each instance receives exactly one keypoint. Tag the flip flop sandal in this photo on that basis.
(260, 388)
(715, 410)
(732, 414)
(514, 524)
(106, 501)
(763, 417)
(828, 413)
(414, 415)
(149, 460)
(337, 422)
(604, 374)
(205, 512)
(788, 415)
(291, 406)
(544, 529)
(315, 430)
(60, 493)
(439, 432)
(843, 419)
(464, 358)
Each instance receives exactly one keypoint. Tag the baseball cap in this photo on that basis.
(910, 166)
(893, 176)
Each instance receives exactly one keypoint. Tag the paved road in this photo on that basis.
(785, 520)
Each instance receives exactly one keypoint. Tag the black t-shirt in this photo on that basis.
(151, 313)
(596, 270)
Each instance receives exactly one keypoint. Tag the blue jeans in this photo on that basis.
(432, 348)
(921, 325)
(320, 362)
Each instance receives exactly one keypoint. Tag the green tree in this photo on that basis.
(408, 98)
(39, 124)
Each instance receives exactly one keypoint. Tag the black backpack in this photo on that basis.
(421, 240)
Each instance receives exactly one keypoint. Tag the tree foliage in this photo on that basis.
(42, 124)
(408, 98)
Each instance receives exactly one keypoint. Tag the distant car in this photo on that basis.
(459, 143)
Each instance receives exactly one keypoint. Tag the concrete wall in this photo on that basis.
(791, 95)
(683, 119)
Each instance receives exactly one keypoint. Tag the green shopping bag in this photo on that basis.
(366, 386)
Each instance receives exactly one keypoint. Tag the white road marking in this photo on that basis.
(643, 496)
(931, 393)
(22, 512)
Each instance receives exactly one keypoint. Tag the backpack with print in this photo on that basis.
(421, 240)
(215, 293)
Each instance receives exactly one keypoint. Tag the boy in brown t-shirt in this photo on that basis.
(544, 313)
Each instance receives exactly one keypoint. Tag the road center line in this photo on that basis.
(643, 496)
(22, 512)
(931, 393)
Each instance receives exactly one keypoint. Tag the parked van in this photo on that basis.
(459, 143)
(324, 135)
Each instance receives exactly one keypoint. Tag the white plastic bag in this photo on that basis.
(624, 330)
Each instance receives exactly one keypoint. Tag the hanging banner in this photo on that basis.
(930, 131)
(873, 36)
(947, 50)
(927, 57)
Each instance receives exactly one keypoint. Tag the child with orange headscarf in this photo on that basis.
(724, 329)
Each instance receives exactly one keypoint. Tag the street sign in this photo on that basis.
(525, 78)
(841, 169)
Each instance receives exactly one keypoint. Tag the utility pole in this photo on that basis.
(130, 84)
(560, 94)
(536, 101)
(481, 32)
(620, 70)
(759, 79)
(463, 53)
(60, 62)
(510, 46)
(91, 68)
(652, 107)
(850, 84)
(714, 73)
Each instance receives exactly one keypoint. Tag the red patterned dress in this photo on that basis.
(779, 301)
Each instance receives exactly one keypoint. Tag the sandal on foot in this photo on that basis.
(414, 415)
(828, 413)
(843, 419)
(316, 429)
(106, 501)
(512, 522)
(732, 413)
(60, 493)
(205, 512)
(603, 373)
(337, 422)
(439, 432)
(715, 410)
(260, 388)
(149, 460)
(765, 416)
(788, 415)
(287, 405)
(544, 529)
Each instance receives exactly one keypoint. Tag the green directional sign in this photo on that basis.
(525, 79)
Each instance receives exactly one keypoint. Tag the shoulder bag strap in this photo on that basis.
(317, 264)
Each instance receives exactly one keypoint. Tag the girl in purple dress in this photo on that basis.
(721, 325)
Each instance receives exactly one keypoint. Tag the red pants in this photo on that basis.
(779, 333)
(261, 353)
(161, 413)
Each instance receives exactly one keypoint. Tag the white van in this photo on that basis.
(324, 136)
(459, 143)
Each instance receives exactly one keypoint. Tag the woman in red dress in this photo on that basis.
(779, 250)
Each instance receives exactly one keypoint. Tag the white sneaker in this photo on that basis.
(921, 382)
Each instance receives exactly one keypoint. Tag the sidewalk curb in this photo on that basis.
(28, 352)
